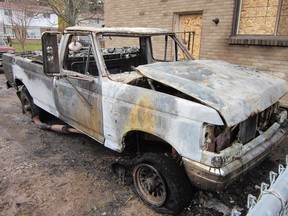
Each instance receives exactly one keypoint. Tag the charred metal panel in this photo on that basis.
(7, 67)
(38, 85)
(79, 104)
(175, 120)
(234, 91)
(125, 77)
(120, 30)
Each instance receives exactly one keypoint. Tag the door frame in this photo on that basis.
(176, 24)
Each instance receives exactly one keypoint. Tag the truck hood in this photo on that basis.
(235, 92)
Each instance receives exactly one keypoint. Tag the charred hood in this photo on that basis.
(234, 91)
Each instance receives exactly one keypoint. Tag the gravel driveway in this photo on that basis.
(48, 173)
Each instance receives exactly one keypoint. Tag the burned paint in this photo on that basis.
(210, 82)
(121, 30)
(79, 101)
(38, 85)
(125, 77)
(142, 116)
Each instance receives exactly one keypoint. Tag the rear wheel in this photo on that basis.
(162, 183)
(28, 106)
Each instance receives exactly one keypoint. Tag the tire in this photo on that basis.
(162, 183)
(28, 106)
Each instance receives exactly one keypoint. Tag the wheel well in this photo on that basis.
(18, 82)
(141, 142)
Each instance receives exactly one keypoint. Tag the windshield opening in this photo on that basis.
(125, 52)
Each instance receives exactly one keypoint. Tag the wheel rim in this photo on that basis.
(27, 107)
(149, 184)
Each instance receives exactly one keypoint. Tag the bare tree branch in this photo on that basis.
(20, 14)
(73, 11)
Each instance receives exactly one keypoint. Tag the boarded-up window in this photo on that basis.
(283, 19)
(263, 17)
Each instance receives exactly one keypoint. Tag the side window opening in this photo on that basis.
(165, 49)
(162, 48)
(79, 55)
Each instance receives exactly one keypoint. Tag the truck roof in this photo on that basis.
(121, 30)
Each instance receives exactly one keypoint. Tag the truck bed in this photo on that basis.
(27, 68)
(32, 60)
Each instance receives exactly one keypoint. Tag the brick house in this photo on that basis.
(253, 33)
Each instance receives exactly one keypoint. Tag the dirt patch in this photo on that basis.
(47, 173)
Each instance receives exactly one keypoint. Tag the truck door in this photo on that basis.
(77, 91)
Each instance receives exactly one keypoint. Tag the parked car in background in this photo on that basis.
(4, 48)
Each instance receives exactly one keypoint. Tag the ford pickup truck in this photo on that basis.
(138, 91)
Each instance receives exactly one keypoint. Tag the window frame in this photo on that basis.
(8, 12)
(254, 39)
(66, 55)
(176, 47)
(46, 15)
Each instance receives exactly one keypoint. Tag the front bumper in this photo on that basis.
(214, 179)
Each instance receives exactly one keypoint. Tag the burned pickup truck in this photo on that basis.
(138, 91)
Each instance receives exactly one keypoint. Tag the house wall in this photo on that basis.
(214, 42)
(98, 23)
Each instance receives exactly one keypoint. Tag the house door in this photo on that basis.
(190, 28)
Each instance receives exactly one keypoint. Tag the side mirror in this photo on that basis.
(50, 53)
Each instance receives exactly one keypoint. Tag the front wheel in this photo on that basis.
(161, 183)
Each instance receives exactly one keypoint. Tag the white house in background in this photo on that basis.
(95, 21)
(44, 20)
(41, 22)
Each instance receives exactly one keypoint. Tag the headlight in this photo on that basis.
(217, 138)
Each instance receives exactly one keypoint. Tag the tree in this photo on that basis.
(20, 13)
(73, 11)
(96, 6)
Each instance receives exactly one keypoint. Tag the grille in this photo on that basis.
(256, 124)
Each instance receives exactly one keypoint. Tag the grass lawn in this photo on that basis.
(27, 47)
